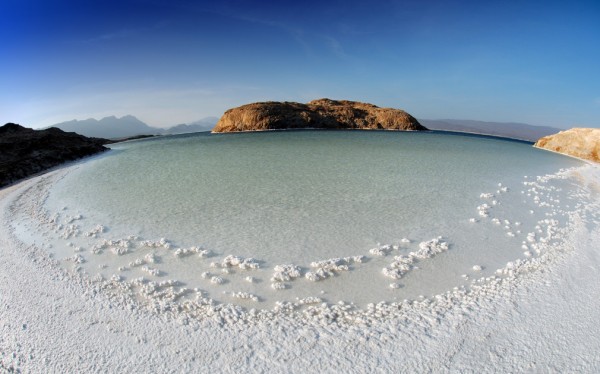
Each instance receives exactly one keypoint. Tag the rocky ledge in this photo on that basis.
(24, 151)
(317, 114)
(578, 142)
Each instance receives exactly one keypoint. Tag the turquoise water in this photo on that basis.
(302, 196)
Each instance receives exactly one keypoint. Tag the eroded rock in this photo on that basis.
(318, 114)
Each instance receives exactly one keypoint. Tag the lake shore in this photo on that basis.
(543, 319)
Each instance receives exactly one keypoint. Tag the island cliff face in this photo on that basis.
(578, 142)
(317, 114)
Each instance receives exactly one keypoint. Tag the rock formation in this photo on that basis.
(319, 114)
(24, 152)
(578, 142)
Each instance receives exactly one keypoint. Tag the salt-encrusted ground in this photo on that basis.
(540, 319)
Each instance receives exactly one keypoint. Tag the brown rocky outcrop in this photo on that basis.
(24, 152)
(317, 114)
(578, 142)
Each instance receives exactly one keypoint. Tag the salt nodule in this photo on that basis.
(285, 273)
(95, 231)
(327, 268)
(151, 271)
(381, 250)
(404, 263)
(244, 295)
(182, 252)
(278, 286)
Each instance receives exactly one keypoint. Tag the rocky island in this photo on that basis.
(317, 114)
(24, 151)
(577, 142)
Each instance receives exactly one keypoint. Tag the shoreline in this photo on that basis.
(589, 162)
(151, 137)
(451, 132)
(67, 322)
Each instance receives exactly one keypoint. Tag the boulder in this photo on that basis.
(577, 142)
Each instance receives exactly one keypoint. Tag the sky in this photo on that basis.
(176, 61)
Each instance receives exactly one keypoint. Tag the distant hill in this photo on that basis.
(108, 127)
(205, 124)
(129, 126)
(505, 129)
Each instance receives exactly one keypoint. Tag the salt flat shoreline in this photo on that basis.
(541, 321)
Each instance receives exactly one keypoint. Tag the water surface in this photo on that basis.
(295, 197)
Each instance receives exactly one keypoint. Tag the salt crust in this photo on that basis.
(503, 326)
(167, 297)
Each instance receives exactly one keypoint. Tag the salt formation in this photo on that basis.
(285, 273)
(76, 259)
(143, 260)
(119, 250)
(70, 231)
(328, 268)
(152, 271)
(381, 250)
(240, 262)
(484, 210)
(137, 262)
(278, 286)
(310, 300)
(244, 295)
(99, 229)
(118, 247)
(182, 252)
(403, 264)
(161, 243)
(150, 258)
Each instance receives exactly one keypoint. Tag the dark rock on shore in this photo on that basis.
(319, 114)
(24, 151)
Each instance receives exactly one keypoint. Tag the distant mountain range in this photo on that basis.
(505, 129)
(128, 126)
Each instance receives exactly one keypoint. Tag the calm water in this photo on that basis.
(298, 197)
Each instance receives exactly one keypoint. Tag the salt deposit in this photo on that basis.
(232, 269)
(359, 279)
(228, 315)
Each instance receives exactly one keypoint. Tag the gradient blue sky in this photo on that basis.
(174, 61)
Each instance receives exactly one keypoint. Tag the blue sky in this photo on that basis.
(174, 61)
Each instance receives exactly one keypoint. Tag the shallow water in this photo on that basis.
(299, 197)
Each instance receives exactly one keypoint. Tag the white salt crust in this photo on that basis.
(284, 276)
(454, 316)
